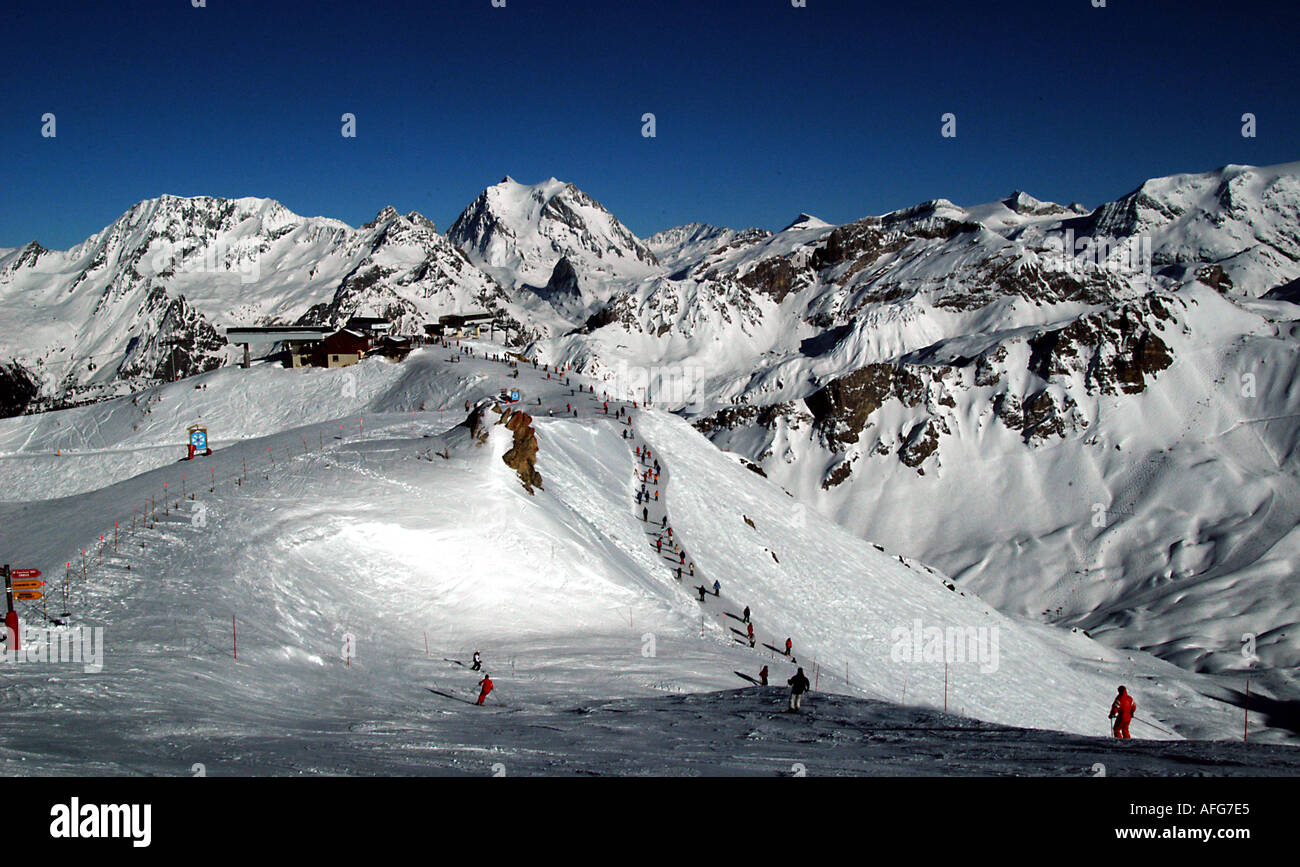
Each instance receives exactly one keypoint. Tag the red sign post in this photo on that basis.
(11, 616)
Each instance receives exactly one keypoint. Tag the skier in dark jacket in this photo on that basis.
(478, 662)
(746, 618)
(645, 513)
(717, 587)
(798, 686)
(762, 676)
(701, 588)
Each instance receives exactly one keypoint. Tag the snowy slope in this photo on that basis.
(343, 553)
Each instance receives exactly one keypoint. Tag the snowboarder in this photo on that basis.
(789, 645)
(1121, 711)
(486, 683)
(478, 662)
(798, 686)
(762, 676)
(746, 618)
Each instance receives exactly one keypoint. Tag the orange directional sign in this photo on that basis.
(29, 595)
(28, 585)
(24, 573)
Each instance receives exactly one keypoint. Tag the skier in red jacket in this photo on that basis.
(486, 683)
(1121, 711)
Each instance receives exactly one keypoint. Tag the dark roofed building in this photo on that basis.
(373, 325)
(340, 349)
(394, 348)
(459, 324)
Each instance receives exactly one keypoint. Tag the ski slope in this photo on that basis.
(355, 541)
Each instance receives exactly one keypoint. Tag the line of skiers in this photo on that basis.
(798, 684)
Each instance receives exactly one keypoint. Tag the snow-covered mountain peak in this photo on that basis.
(1025, 204)
(518, 232)
(806, 221)
(1244, 215)
(386, 215)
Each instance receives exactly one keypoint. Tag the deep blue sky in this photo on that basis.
(763, 110)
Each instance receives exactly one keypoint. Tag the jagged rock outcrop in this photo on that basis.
(843, 406)
(1114, 350)
(18, 390)
(522, 455)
